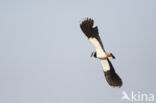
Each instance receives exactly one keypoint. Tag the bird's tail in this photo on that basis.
(112, 77)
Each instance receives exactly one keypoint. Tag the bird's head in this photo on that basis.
(93, 54)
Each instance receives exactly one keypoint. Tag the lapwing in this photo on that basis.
(92, 33)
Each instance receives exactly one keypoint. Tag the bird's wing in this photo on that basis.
(111, 76)
(92, 34)
(105, 65)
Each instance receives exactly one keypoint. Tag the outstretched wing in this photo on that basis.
(93, 35)
(111, 76)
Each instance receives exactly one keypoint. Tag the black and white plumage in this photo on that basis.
(93, 35)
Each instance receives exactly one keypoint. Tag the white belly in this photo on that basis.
(100, 53)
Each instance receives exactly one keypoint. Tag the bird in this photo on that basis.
(92, 34)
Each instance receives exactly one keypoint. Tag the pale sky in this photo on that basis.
(45, 57)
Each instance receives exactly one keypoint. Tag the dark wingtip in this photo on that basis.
(87, 21)
(86, 26)
(113, 79)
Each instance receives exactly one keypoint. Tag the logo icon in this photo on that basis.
(125, 96)
(138, 96)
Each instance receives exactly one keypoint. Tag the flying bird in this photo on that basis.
(93, 36)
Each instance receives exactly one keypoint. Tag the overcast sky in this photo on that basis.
(45, 57)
